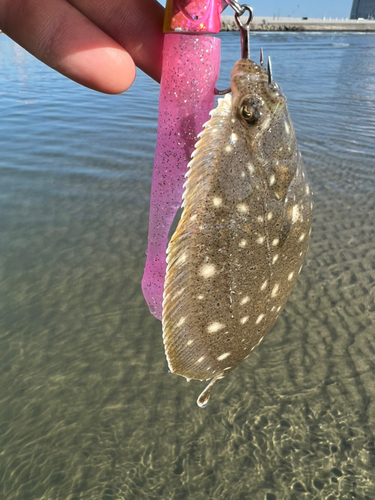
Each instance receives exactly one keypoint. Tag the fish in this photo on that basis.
(243, 235)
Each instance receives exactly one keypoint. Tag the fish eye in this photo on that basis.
(249, 112)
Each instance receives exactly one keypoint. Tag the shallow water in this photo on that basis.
(87, 409)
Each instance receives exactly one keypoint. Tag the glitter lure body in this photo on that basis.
(243, 235)
(190, 69)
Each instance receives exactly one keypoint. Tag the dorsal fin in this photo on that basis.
(176, 323)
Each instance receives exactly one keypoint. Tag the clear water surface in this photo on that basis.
(87, 408)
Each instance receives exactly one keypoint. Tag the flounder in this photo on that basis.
(243, 234)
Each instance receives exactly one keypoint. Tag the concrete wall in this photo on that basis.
(298, 24)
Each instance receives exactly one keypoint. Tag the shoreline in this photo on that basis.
(299, 24)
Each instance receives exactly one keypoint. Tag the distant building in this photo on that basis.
(364, 9)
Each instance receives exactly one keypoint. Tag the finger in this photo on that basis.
(62, 37)
(137, 25)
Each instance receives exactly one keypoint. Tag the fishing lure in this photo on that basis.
(244, 231)
(191, 64)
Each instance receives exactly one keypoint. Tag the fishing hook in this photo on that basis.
(244, 27)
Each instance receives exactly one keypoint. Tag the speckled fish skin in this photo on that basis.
(244, 231)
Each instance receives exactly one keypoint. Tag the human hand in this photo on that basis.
(96, 43)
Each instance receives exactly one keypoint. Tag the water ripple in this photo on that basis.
(87, 409)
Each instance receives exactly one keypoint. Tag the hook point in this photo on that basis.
(269, 69)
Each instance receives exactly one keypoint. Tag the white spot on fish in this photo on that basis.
(228, 148)
(295, 214)
(272, 180)
(181, 321)
(180, 292)
(200, 359)
(223, 356)
(269, 215)
(287, 128)
(260, 219)
(275, 257)
(215, 327)
(275, 242)
(182, 259)
(266, 123)
(217, 202)
(243, 208)
(189, 342)
(251, 168)
(275, 289)
(200, 297)
(245, 300)
(244, 320)
(207, 270)
(307, 189)
(264, 285)
(260, 240)
(259, 319)
(290, 276)
(302, 237)
(242, 243)
(233, 137)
